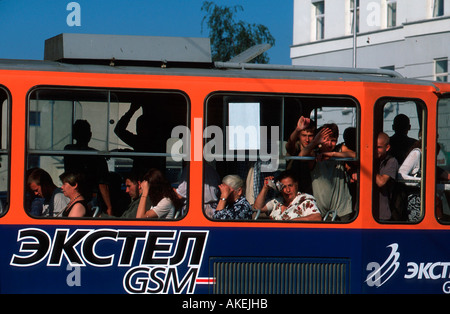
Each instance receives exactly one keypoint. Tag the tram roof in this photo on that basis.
(219, 69)
(177, 56)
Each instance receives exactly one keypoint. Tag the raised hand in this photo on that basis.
(303, 123)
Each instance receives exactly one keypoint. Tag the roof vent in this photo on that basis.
(127, 50)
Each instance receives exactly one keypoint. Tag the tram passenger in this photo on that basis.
(119, 198)
(139, 141)
(34, 204)
(94, 168)
(255, 179)
(299, 139)
(74, 187)
(400, 142)
(232, 203)
(157, 190)
(301, 136)
(41, 183)
(329, 178)
(343, 150)
(385, 177)
(350, 138)
(149, 137)
(292, 205)
(133, 188)
(347, 149)
(410, 170)
(443, 196)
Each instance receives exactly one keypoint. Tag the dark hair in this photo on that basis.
(81, 131)
(287, 174)
(350, 138)
(312, 126)
(401, 123)
(133, 176)
(44, 180)
(159, 188)
(332, 126)
(74, 178)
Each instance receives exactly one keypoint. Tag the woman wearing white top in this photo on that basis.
(157, 190)
(410, 171)
(292, 205)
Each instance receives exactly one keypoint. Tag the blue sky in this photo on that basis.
(25, 24)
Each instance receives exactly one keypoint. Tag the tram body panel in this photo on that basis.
(165, 261)
(372, 261)
(163, 258)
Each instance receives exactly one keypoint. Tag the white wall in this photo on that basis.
(411, 46)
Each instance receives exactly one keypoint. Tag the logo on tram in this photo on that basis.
(159, 261)
(379, 275)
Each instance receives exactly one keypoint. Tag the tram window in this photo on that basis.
(109, 136)
(4, 151)
(399, 165)
(443, 162)
(246, 140)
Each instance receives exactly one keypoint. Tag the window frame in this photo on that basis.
(7, 151)
(352, 12)
(441, 76)
(391, 13)
(438, 8)
(282, 135)
(105, 153)
(378, 127)
(319, 19)
(445, 97)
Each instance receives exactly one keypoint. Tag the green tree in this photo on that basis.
(230, 37)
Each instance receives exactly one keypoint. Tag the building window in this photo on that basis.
(320, 19)
(391, 13)
(441, 69)
(438, 8)
(352, 10)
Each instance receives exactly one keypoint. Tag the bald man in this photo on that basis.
(387, 172)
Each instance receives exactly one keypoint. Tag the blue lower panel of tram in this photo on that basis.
(48, 259)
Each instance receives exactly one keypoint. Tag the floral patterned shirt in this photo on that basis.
(303, 205)
(241, 209)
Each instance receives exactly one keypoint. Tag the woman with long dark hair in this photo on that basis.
(157, 190)
(40, 182)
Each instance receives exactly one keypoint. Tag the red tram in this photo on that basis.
(233, 119)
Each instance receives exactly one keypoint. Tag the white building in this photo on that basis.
(410, 36)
